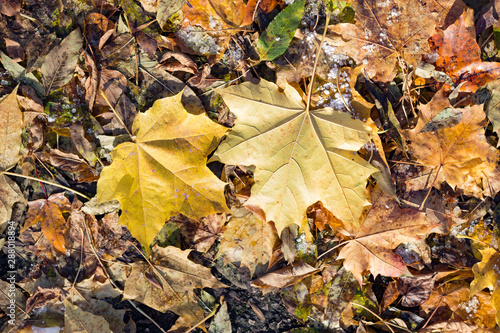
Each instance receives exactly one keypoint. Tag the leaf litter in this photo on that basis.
(351, 182)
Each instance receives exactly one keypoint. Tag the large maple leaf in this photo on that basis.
(301, 156)
(164, 172)
(384, 228)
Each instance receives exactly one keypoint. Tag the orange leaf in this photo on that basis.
(49, 212)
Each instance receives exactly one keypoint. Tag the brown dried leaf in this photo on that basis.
(69, 162)
(284, 277)
(10, 7)
(14, 50)
(11, 122)
(383, 229)
(178, 277)
(247, 239)
(455, 152)
(385, 31)
(416, 290)
(181, 63)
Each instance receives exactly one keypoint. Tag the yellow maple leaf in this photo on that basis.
(487, 275)
(302, 156)
(170, 284)
(164, 173)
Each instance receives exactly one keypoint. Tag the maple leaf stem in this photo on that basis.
(373, 313)
(309, 94)
(479, 241)
(116, 115)
(44, 181)
(430, 188)
(433, 312)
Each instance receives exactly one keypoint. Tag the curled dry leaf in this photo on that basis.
(178, 277)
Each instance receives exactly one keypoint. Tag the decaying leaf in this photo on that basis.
(387, 31)
(487, 275)
(310, 155)
(275, 39)
(473, 310)
(248, 239)
(10, 7)
(50, 213)
(384, 228)
(76, 320)
(416, 290)
(60, 63)
(178, 277)
(164, 172)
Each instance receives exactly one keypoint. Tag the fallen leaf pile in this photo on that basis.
(249, 166)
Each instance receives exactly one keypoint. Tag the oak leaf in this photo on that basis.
(50, 213)
(487, 275)
(247, 239)
(384, 228)
(175, 278)
(164, 172)
(301, 156)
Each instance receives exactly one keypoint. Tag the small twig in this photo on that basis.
(373, 313)
(316, 61)
(44, 181)
(116, 115)
(430, 188)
